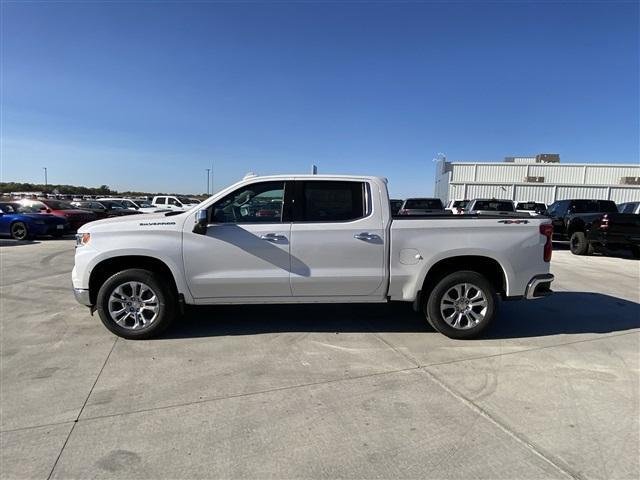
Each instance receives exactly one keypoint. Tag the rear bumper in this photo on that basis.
(539, 286)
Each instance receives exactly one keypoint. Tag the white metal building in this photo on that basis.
(530, 179)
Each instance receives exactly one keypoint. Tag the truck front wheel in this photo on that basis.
(462, 305)
(136, 304)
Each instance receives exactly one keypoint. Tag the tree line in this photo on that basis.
(102, 190)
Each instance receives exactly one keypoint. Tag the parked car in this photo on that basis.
(24, 222)
(483, 206)
(105, 208)
(171, 202)
(457, 206)
(141, 206)
(531, 208)
(614, 231)
(629, 207)
(396, 205)
(75, 217)
(422, 206)
(334, 240)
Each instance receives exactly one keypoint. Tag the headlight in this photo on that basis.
(82, 239)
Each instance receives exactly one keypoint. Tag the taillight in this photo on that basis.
(604, 222)
(546, 229)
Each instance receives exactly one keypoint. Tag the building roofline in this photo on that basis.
(550, 184)
(549, 164)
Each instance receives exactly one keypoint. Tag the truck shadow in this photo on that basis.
(622, 253)
(16, 243)
(561, 314)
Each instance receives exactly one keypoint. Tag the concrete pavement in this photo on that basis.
(320, 391)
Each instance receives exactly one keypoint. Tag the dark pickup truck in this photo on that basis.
(615, 231)
(592, 225)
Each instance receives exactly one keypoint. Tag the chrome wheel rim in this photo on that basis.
(464, 306)
(133, 305)
(19, 231)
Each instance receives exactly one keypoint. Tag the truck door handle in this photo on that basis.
(366, 236)
(272, 237)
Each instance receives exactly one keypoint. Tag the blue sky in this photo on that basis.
(146, 95)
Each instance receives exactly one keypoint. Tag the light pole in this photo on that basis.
(45, 177)
(208, 170)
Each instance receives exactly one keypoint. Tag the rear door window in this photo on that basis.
(330, 201)
(160, 201)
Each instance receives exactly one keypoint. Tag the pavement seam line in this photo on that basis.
(566, 470)
(75, 422)
(33, 427)
(406, 356)
(250, 394)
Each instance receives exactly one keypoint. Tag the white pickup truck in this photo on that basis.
(308, 239)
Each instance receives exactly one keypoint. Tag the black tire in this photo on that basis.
(578, 244)
(465, 330)
(166, 301)
(19, 231)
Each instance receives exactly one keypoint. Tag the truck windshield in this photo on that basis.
(423, 204)
(460, 204)
(494, 206)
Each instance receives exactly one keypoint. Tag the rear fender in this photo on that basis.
(505, 266)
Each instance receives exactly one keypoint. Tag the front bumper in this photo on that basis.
(539, 286)
(82, 296)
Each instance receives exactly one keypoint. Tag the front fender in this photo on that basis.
(87, 259)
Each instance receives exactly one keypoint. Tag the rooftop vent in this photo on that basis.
(534, 179)
(630, 180)
(548, 158)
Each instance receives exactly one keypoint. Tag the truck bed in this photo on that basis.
(418, 244)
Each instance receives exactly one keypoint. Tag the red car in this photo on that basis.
(76, 218)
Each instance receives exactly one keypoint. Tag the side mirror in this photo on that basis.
(202, 220)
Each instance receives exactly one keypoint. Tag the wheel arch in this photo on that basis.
(109, 266)
(575, 225)
(487, 266)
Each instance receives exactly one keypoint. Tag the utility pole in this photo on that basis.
(45, 177)
(208, 170)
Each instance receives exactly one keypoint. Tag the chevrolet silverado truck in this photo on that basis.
(308, 239)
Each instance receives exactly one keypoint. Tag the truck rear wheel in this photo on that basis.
(462, 305)
(579, 244)
(136, 304)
